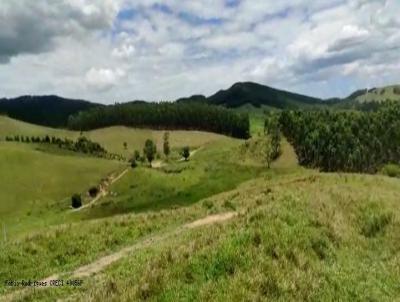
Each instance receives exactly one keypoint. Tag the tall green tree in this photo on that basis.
(150, 150)
(166, 147)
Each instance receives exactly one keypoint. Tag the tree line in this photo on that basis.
(193, 116)
(348, 141)
(82, 145)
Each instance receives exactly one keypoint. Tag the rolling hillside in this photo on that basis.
(112, 138)
(391, 93)
(289, 235)
(38, 180)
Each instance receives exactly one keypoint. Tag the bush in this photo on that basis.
(185, 152)
(76, 201)
(391, 170)
(93, 191)
(133, 164)
(136, 155)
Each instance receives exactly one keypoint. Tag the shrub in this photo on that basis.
(76, 201)
(93, 191)
(391, 170)
(185, 153)
(136, 155)
(133, 164)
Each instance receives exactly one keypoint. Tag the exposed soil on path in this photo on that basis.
(103, 190)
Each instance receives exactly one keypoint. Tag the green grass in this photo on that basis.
(380, 95)
(212, 170)
(298, 237)
(299, 234)
(113, 138)
(40, 179)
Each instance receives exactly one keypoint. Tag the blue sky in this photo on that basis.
(121, 50)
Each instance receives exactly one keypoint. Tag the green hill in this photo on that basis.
(245, 94)
(259, 95)
(388, 93)
(289, 235)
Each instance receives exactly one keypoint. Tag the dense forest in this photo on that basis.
(48, 110)
(195, 116)
(350, 141)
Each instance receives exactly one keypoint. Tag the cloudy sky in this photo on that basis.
(120, 50)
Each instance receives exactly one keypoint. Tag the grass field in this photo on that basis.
(213, 169)
(113, 138)
(39, 181)
(302, 235)
(34, 182)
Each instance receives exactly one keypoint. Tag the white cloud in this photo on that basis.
(108, 50)
(102, 79)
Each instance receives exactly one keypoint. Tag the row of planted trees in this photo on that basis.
(82, 144)
(348, 141)
(193, 116)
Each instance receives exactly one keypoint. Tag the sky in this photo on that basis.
(121, 50)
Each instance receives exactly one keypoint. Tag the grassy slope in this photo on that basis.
(319, 238)
(379, 95)
(301, 235)
(33, 182)
(213, 169)
(37, 185)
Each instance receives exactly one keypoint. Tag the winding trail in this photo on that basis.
(103, 262)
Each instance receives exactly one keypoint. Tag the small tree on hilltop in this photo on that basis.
(149, 150)
(166, 147)
(76, 201)
(185, 153)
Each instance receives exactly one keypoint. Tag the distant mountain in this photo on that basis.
(47, 110)
(256, 95)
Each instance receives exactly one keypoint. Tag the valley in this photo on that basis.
(230, 220)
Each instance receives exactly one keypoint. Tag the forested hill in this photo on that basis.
(257, 95)
(48, 110)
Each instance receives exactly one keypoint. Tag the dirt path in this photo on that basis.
(158, 164)
(103, 262)
(103, 190)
